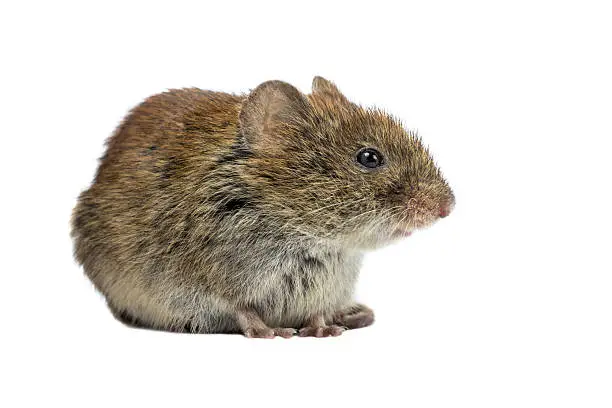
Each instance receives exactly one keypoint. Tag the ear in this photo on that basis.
(270, 112)
(321, 86)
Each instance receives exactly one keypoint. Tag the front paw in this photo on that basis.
(259, 333)
(268, 333)
(321, 331)
(285, 333)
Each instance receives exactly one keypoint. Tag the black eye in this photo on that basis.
(369, 158)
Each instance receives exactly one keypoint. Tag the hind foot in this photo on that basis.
(354, 317)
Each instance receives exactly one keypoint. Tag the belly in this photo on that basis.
(307, 285)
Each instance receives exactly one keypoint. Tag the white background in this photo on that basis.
(506, 303)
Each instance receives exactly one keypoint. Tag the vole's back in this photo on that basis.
(154, 165)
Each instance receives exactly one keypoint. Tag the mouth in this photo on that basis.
(401, 233)
(406, 230)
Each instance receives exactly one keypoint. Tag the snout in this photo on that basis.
(446, 207)
(427, 204)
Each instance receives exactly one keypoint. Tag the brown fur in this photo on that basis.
(213, 212)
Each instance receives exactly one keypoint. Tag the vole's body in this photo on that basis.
(193, 223)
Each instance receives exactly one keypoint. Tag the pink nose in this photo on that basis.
(444, 211)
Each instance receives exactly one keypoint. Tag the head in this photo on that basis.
(335, 170)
